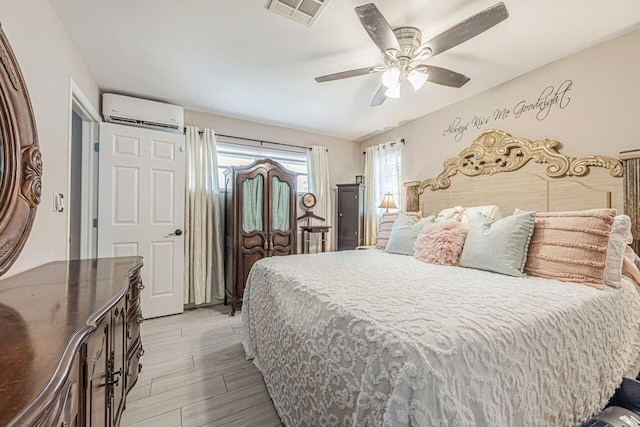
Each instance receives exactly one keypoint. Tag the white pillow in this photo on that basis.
(619, 237)
(465, 215)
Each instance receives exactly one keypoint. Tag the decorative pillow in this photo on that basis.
(451, 214)
(440, 243)
(498, 246)
(404, 233)
(384, 231)
(571, 246)
(466, 215)
(618, 239)
(630, 265)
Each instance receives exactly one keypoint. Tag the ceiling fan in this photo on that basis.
(403, 50)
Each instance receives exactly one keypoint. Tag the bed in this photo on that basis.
(367, 338)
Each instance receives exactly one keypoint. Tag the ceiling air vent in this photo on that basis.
(302, 11)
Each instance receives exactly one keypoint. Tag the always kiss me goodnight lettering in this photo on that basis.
(550, 98)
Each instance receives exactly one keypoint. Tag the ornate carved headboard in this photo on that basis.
(510, 172)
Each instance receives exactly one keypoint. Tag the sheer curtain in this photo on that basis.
(383, 174)
(388, 172)
(320, 185)
(252, 206)
(280, 198)
(204, 264)
(370, 197)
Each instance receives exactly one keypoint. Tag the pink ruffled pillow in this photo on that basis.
(440, 242)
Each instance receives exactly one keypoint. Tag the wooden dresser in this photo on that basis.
(70, 342)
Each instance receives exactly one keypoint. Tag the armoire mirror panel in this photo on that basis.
(20, 160)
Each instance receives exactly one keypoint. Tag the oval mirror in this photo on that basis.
(20, 161)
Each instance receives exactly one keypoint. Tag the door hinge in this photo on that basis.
(95, 222)
(96, 147)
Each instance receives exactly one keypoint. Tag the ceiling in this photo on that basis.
(237, 59)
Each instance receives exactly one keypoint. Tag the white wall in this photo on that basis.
(601, 116)
(47, 58)
(344, 155)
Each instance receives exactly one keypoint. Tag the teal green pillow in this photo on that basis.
(404, 233)
(499, 246)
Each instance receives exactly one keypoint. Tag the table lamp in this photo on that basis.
(388, 203)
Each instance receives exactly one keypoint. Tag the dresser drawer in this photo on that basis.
(135, 286)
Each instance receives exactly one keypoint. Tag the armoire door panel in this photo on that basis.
(280, 201)
(281, 240)
(246, 262)
(253, 241)
(282, 214)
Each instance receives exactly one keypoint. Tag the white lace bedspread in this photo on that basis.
(366, 338)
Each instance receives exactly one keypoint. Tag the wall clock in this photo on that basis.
(308, 200)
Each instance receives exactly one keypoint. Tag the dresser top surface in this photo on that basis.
(42, 311)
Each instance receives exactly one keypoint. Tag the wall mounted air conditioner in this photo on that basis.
(131, 111)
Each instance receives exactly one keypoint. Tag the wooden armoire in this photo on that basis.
(350, 216)
(260, 220)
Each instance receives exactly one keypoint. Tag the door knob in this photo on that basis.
(178, 232)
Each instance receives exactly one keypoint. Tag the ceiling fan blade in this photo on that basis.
(467, 29)
(347, 74)
(379, 97)
(377, 27)
(442, 76)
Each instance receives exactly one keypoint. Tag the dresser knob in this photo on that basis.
(139, 367)
(140, 286)
(140, 319)
(141, 353)
(65, 424)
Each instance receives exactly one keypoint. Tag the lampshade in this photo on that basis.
(417, 79)
(388, 203)
(391, 77)
(393, 92)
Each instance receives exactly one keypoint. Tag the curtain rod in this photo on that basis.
(392, 144)
(261, 141)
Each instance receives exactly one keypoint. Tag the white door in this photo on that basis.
(141, 209)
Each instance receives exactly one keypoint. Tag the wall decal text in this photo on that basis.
(549, 98)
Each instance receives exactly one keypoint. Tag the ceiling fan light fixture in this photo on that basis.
(393, 92)
(391, 78)
(417, 79)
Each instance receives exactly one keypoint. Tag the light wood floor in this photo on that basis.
(195, 373)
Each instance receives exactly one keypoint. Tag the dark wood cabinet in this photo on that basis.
(350, 216)
(260, 220)
(69, 350)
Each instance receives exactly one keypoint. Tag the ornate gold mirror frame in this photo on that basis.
(20, 161)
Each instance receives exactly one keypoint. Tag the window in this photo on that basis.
(240, 155)
(388, 173)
